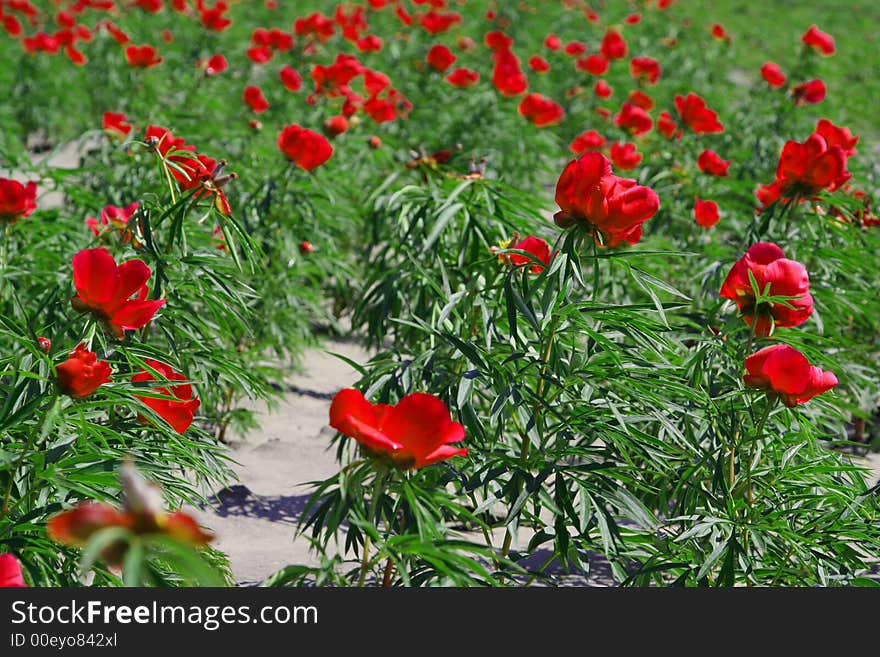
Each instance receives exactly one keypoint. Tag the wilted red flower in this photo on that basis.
(602, 89)
(666, 126)
(306, 148)
(820, 41)
(837, 136)
(810, 92)
(540, 110)
(17, 201)
(463, 77)
(613, 208)
(10, 572)
(769, 266)
(290, 78)
(142, 56)
(640, 99)
(82, 373)
(255, 99)
(587, 141)
(415, 432)
(204, 174)
(116, 125)
(613, 46)
(785, 372)
(105, 289)
(594, 64)
(335, 125)
(710, 162)
(646, 68)
(633, 118)
(773, 75)
(696, 115)
(177, 411)
(215, 65)
(705, 213)
(142, 515)
(113, 217)
(625, 155)
(538, 64)
(440, 57)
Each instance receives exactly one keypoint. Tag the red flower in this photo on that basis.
(819, 41)
(440, 57)
(216, 65)
(306, 247)
(640, 99)
(315, 25)
(710, 162)
(260, 54)
(837, 136)
(415, 432)
(307, 149)
(142, 515)
(773, 75)
(214, 18)
(17, 201)
(575, 48)
(809, 92)
(116, 125)
(463, 77)
(647, 68)
(625, 155)
(666, 126)
(533, 245)
(538, 64)
(204, 174)
(594, 64)
(255, 99)
(113, 217)
(695, 115)
(434, 22)
(719, 32)
(552, 42)
(164, 142)
(540, 110)
(178, 411)
(105, 289)
(507, 76)
(81, 374)
(784, 371)
(613, 208)
(633, 118)
(335, 126)
(142, 56)
(10, 572)
(587, 141)
(811, 166)
(602, 89)
(784, 277)
(705, 213)
(613, 46)
(290, 78)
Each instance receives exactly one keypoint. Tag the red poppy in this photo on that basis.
(10, 572)
(634, 119)
(306, 148)
(291, 80)
(646, 68)
(415, 432)
(805, 168)
(784, 277)
(696, 115)
(594, 64)
(625, 155)
(719, 32)
(602, 89)
(17, 201)
(315, 25)
(41, 42)
(710, 162)
(538, 64)
(705, 213)
(215, 17)
(613, 208)
(215, 65)
(142, 515)
(666, 126)
(820, 41)
(178, 411)
(255, 99)
(533, 245)
(116, 125)
(633, 19)
(164, 142)
(587, 141)
(260, 54)
(773, 75)
(575, 48)
(435, 22)
(113, 217)
(440, 57)
(837, 136)
(552, 42)
(613, 46)
(785, 372)
(105, 289)
(810, 92)
(540, 110)
(507, 76)
(142, 56)
(335, 126)
(81, 374)
(463, 77)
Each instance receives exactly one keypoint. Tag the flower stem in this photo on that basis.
(378, 485)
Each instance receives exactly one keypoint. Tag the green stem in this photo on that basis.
(378, 485)
(4, 258)
(170, 182)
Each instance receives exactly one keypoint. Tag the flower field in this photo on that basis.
(615, 264)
